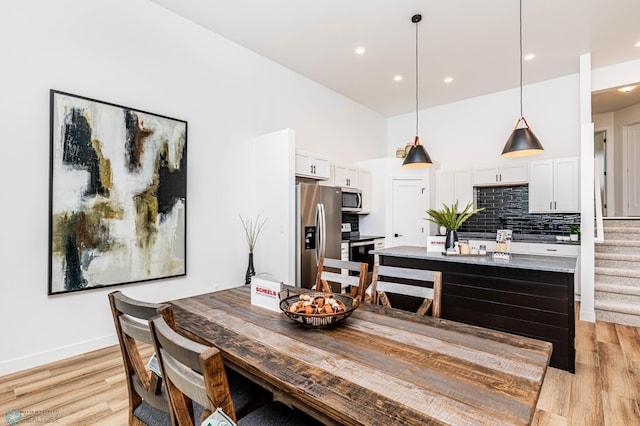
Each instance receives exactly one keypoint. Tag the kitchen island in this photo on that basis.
(529, 295)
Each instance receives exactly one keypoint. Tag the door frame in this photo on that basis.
(389, 207)
(625, 167)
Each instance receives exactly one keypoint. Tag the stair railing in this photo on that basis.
(599, 237)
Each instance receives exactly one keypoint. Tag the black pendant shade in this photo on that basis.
(522, 142)
(417, 156)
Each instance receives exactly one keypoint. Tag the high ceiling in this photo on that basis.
(474, 42)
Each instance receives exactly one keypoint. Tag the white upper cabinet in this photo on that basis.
(554, 186)
(312, 166)
(503, 175)
(345, 177)
(452, 185)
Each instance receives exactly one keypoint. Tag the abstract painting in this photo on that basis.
(118, 194)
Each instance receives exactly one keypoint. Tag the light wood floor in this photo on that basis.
(89, 389)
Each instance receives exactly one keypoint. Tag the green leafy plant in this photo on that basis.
(449, 217)
(573, 229)
(252, 230)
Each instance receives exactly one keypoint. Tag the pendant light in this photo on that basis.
(522, 141)
(417, 156)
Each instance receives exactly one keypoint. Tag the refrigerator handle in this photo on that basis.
(318, 232)
(324, 231)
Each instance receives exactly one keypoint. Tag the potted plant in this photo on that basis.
(574, 232)
(449, 218)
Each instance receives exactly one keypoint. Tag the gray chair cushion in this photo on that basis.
(277, 414)
(151, 416)
(246, 395)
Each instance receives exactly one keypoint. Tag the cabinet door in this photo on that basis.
(445, 188)
(486, 176)
(566, 188)
(352, 178)
(516, 173)
(463, 188)
(541, 187)
(321, 168)
(340, 176)
(364, 183)
(304, 165)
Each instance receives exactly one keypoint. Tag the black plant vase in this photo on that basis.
(250, 271)
(452, 237)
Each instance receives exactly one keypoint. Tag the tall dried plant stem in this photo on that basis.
(252, 230)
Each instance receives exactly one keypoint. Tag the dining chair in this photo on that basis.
(195, 373)
(395, 280)
(148, 402)
(326, 276)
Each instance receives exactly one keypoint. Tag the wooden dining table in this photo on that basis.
(381, 366)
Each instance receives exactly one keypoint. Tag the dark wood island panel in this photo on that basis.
(529, 295)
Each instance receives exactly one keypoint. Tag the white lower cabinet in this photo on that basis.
(378, 244)
(519, 247)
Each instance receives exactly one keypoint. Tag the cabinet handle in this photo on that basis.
(550, 205)
(497, 178)
(555, 206)
(552, 249)
(500, 177)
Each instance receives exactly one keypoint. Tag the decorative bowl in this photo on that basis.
(322, 319)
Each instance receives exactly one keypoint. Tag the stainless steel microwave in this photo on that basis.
(351, 200)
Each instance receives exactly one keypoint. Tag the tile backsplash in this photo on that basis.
(507, 207)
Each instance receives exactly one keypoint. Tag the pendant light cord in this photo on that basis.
(521, 114)
(417, 78)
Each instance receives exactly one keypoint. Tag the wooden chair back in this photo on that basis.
(388, 279)
(192, 373)
(131, 318)
(357, 283)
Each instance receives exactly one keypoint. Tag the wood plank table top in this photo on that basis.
(380, 367)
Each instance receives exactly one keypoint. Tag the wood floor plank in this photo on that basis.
(586, 347)
(629, 338)
(555, 397)
(543, 418)
(586, 403)
(606, 332)
(619, 375)
(620, 410)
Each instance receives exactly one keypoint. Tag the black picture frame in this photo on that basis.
(117, 195)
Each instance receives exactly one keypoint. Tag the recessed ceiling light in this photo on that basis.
(529, 57)
(448, 80)
(638, 44)
(397, 78)
(360, 50)
(626, 89)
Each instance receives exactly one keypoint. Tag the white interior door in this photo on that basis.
(409, 204)
(632, 182)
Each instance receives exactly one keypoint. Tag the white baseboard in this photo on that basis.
(588, 316)
(45, 357)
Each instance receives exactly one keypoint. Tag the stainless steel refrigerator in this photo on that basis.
(318, 233)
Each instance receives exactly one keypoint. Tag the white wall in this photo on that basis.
(135, 53)
(473, 132)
